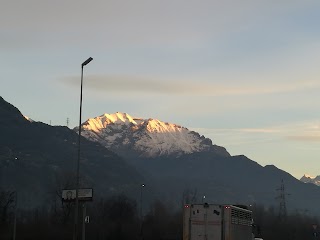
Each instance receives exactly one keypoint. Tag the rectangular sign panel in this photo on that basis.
(69, 195)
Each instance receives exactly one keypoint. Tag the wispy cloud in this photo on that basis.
(305, 132)
(305, 138)
(136, 84)
(302, 131)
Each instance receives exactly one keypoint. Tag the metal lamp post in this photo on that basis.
(75, 234)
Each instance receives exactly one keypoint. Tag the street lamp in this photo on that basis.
(75, 234)
(141, 216)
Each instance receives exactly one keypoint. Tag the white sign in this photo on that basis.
(84, 194)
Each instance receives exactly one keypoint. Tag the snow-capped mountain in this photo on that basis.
(121, 133)
(33, 155)
(309, 179)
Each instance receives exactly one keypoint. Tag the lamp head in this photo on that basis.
(87, 61)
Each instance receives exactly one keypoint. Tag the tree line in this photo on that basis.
(119, 218)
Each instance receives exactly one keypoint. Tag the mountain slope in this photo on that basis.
(128, 135)
(181, 162)
(235, 180)
(35, 158)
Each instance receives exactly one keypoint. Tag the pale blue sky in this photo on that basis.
(243, 73)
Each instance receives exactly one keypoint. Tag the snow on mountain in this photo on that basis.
(147, 137)
(309, 179)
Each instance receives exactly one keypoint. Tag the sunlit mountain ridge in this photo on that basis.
(37, 159)
(309, 179)
(146, 137)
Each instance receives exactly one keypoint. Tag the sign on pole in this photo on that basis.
(84, 194)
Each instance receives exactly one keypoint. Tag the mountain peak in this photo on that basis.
(309, 179)
(119, 117)
(308, 176)
(101, 122)
(155, 125)
(147, 137)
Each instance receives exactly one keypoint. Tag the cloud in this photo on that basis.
(172, 22)
(114, 22)
(304, 132)
(231, 138)
(305, 138)
(301, 131)
(116, 84)
(242, 130)
(153, 85)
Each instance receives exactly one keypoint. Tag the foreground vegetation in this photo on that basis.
(118, 218)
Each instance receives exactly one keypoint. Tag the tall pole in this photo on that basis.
(84, 213)
(141, 215)
(15, 216)
(75, 233)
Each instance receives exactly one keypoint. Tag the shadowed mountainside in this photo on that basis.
(207, 171)
(36, 159)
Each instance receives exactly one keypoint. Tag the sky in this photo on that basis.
(243, 73)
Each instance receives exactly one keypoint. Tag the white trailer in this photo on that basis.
(216, 222)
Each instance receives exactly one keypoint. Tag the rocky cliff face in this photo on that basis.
(121, 132)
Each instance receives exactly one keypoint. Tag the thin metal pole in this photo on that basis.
(141, 203)
(75, 233)
(76, 220)
(15, 216)
(141, 214)
(84, 213)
